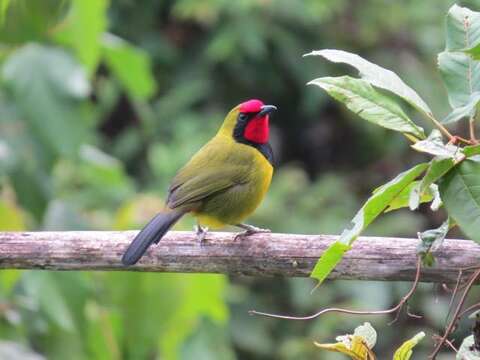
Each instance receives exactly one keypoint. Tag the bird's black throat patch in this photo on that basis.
(239, 130)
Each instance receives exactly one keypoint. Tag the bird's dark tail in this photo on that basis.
(151, 233)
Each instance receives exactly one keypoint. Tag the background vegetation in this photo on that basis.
(101, 102)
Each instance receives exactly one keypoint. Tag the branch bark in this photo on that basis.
(371, 258)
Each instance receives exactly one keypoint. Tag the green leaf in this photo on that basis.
(474, 52)
(467, 351)
(460, 72)
(471, 150)
(130, 65)
(360, 97)
(48, 86)
(404, 199)
(438, 167)
(462, 28)
(82, 30)
(460, 192)
(329, 259)
(377, 76)
(379, 201)
(3, 10)
(404, 352)
(434, 145)
(465, 111)
(431, 240)
(41, 285)
(461, 76)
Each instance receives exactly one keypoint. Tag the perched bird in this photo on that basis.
(222, 184)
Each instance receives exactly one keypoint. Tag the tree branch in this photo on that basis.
(371, 258)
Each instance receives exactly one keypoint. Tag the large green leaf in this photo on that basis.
(461, 75)
(48, 86)
(462, 28)
(130, 65)
(460, 72)
(438, 167)
(377, 76)
(468, 110)
(372, 208)
(460, 192)
(360, 97)
(82, 30)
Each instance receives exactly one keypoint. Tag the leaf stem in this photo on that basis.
(473, 138)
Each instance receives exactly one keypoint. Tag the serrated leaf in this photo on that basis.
(465, 111)
(434, 145)
(360, 97)
(466, 351)
(377, 76)
(130, 65)
(357, 346)
(379, 201)
(460, 192)
(405, 351)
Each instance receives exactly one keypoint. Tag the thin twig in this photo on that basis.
(448, 342)
(396, 308)
(456, 316)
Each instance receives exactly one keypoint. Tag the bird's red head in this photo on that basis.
(253, 121)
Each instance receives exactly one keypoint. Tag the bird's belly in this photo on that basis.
(234, 205)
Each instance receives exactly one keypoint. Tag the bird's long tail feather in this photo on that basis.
(151, 233)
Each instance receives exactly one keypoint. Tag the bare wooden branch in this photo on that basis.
(371, 258)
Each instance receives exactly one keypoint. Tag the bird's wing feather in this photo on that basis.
(205, 183)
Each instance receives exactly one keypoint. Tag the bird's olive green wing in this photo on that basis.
(192, 189)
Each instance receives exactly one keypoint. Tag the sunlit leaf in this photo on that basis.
(405, 198)
(377, 76)
(357, 346)
(360, 97)
(329, 259)
(460, 192)
(434, 145)
(379, 201)
(438, 167)
(405, 351)
(82, 30)
(130, 65)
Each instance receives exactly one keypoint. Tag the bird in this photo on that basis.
(222, 184)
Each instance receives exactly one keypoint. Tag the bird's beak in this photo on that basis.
(266, 109)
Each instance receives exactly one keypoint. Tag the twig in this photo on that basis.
(448, 342)
(396, 308)
(456, 316)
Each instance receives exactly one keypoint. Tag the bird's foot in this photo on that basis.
(201, 232)
(249, 230)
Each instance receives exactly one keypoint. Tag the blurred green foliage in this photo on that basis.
(101, 102)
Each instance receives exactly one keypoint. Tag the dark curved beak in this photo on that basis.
(266, 109)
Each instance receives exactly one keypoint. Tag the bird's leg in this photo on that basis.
(201, 232)
(249, 230)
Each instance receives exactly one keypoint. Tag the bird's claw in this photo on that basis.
(201, 233)
(251, 231)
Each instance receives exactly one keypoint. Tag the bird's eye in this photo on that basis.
(243, 117)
